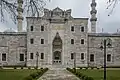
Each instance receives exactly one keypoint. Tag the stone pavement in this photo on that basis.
(58, 74)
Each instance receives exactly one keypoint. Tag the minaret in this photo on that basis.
(93, 19)
(19, 17)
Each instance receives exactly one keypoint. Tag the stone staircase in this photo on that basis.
(58, 75)
(57, 66)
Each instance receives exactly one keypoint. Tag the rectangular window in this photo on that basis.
(31, 41)
(82, 29)
(42, 41)
(91, 57)
(109, 57)
(31, 28)
(42, 55)
(72, 28)
(82, 56)
(31, 55)
(21, 57)
(72, 41)
(4, 57)
(82, 41)
(72, 56)
(42, 28)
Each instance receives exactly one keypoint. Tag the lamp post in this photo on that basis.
(75, 61)
(37, 54)
(104, 47)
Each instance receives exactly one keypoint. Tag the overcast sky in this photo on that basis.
(81, 8)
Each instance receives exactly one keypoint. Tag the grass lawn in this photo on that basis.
(15, 74)
(98, 74)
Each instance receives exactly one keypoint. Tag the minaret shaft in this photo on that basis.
(93, 16)
(20, 17)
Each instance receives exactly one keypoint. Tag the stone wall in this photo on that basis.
(49, 33)
(94, 48)
(77, 47)
(12, 44)
(37, 35)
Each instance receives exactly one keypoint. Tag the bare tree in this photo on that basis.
(33, 7)
(112, 4)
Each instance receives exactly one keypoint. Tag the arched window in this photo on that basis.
(31, 41)
(42, 28)
(82, 56)
(82, 41)
(82, 29)
(109, 57)
(31, 55)
(42, 55)
(42, 41)
(91, 57)
(72, 28)
(31, 28)
(3, 56)
(72, 55)
(72, 41)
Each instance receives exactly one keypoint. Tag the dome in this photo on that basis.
(9, 30)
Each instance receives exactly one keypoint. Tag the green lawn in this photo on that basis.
(14, 74)
(98, 74)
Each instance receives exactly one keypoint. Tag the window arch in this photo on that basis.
(82, 28)
(91, 57)
(82, 56)
(31, 28)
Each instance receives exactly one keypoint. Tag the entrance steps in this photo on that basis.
(57, 67)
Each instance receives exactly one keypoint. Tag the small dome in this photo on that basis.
(9, 30)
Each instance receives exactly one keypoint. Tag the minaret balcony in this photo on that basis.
(93, 19)
(93, 11)
(93, 4)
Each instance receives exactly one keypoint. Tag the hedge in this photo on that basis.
(36, 75)
(80, 75)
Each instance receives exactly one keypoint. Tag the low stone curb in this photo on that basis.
(19, 68)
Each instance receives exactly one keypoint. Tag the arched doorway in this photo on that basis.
(57, 57)
(57, 49)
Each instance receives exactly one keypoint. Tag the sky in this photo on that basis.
(81, 9)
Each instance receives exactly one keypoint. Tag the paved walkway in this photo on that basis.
(58, 75)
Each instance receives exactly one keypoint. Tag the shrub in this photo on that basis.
(86, 68)
(29, 67)
(0, 67)
(28, 78)
(21, 67)
(92, 67)
(35, 67)
(15, 67)
(90, 78)
(36, 74)
(80, 75)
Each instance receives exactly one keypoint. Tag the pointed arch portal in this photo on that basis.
(57, 49)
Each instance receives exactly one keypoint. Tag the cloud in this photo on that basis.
(2, 27)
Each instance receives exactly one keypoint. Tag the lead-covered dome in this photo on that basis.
(9, 30)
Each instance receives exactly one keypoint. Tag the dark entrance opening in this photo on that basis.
(57, 49)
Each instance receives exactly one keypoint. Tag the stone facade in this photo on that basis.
(57, 21)
(59, 39)
(12, 44)
(94, 43)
